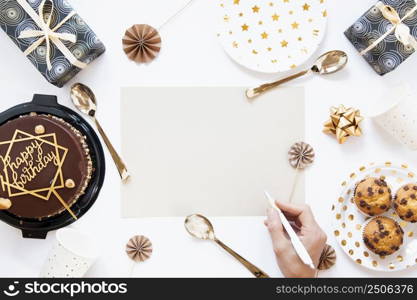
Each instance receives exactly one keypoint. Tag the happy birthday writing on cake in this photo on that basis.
(28, 164)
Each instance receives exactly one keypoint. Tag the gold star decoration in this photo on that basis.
(286, 1)
(344, 122)
(236, 2)
(306, 6)
(235, 44)
(275, 17)
(295, 25)
(245, 27)
(264, 35)
(324, 13)
(284, 43)
(255, 9)
(271, 3)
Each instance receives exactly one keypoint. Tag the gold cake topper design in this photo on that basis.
(32, 161)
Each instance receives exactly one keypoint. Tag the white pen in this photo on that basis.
(296, 243)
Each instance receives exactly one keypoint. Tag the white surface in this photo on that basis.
(192, 56)
(208, 150)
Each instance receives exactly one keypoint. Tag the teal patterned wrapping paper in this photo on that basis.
(87, 47)
(390, 52)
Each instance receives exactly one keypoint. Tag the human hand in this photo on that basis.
(309, 232)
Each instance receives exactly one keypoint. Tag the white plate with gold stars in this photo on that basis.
(348, 222)
(271, 35)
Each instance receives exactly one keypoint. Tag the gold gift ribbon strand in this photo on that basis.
(49, 35)
(402, 31)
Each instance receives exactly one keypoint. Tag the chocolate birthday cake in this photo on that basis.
(45, 165)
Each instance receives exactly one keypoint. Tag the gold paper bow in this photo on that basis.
(401, 31)
(47, 34)
(343, 122)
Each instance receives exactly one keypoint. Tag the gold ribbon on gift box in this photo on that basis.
(401, 31)
(48, 34)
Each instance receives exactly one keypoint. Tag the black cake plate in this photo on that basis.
(45, 104)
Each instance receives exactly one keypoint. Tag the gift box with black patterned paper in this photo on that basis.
(386, 34)
(72, 44)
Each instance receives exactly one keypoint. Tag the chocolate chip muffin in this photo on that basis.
(405, 203)
(372, 196)
(383, 236)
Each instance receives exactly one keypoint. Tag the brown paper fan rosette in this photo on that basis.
(139, 248)
(141, 43)
(301, 155)
(327, 258)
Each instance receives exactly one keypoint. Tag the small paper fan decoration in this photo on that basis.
(301, 155)
(327, 258)
(141, 43)
(139, 248)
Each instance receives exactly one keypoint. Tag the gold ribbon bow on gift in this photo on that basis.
(48, 35)
(401, 31)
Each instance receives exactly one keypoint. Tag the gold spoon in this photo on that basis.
(330, 62)
(84, 99)
(200, 227)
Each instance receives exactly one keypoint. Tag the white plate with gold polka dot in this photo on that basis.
(271, 35)
(348, 222)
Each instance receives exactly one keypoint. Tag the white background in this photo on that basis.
(192, 56)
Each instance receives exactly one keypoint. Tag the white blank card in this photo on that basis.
(208, 150)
